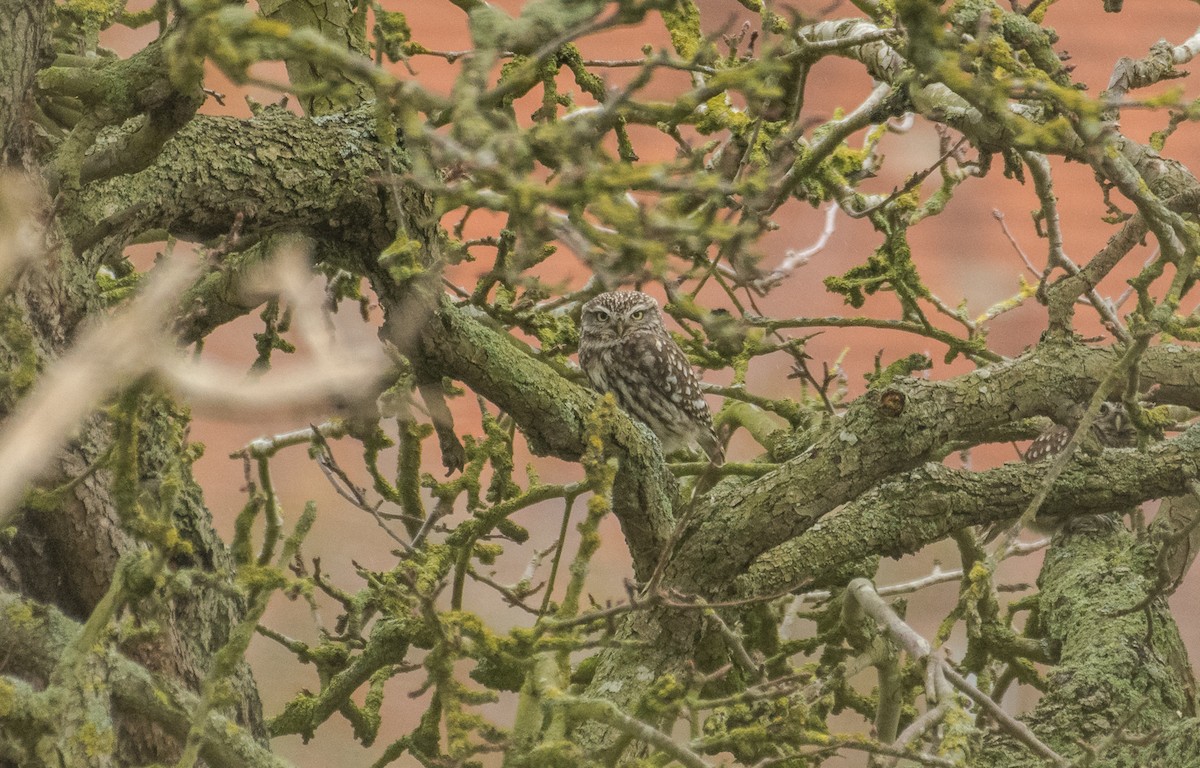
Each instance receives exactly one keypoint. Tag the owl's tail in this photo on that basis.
(712, 446)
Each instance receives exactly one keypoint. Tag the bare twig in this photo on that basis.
(796, 259)
(939, 671)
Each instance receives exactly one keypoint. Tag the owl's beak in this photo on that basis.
(620, 327)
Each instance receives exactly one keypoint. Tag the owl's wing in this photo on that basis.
(1049, 443)
(668, 371)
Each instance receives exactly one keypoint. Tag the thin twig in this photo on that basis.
(939, 670)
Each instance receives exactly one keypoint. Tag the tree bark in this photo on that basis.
(71, 536)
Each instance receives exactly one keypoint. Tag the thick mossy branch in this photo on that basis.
(737, 523)
(1121, 673)
(274, 173)
(902, 515)
(552, 413)
(36, 636)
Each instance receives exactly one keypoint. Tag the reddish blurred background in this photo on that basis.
(963, 255)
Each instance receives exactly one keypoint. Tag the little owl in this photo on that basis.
(1112, 428)
(625, 349)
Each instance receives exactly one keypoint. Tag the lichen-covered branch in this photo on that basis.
(276, 173)
(1089, 585)
(552, 413)
(873, 442)
(915, 509)
(36, 636)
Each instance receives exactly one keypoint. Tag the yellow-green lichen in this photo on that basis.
(97, 741)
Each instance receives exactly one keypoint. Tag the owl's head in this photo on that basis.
(612, 315)
(1113, 427)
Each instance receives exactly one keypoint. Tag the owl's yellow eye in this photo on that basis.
(601, 315)
(638, 315)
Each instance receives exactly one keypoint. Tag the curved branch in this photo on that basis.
(552, 413)
(903, 515)
(276, 172)
(735, 524)
(114, 91)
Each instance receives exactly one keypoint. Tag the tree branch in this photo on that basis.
(903, 515)
(36, 636)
